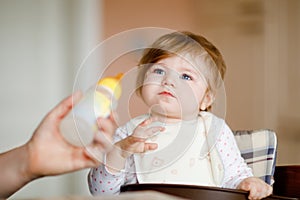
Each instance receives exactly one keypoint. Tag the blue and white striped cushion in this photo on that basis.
(258, 148)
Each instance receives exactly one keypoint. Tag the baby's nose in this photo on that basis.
(169, 80)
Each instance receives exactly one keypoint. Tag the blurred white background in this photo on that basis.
(43, 43)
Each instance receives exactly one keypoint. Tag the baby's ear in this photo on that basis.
(208, 100)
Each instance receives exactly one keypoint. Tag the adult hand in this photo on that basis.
(47, 153)
(50, 154)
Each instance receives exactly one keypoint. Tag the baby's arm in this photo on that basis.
(103, 181)
(119, 165)
(237, 174)
(235, 167)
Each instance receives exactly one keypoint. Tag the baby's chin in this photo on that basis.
(172, 110)
(164, 108)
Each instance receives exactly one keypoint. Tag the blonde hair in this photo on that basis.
(180, 44)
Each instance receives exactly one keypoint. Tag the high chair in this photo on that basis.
(258, 148)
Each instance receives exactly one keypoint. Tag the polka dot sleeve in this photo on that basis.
(101, 181)
(235, 166)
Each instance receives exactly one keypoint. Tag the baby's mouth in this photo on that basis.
(166, 93)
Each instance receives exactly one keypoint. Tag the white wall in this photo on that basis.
(282, 71)
(43, 43)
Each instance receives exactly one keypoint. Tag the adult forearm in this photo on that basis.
(14, 168)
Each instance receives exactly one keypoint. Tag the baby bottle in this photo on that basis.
(80, 125)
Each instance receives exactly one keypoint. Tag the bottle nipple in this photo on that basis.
(112, 84)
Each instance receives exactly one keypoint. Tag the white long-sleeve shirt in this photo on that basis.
(101, 181)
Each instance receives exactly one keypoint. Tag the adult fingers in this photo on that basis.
(106, 126)
(63, 108)
(95, 153)
(102, 141)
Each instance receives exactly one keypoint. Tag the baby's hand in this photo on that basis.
(136, 143)
(257, 188)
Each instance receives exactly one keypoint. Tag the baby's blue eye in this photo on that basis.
(186, 77)
(159, 71)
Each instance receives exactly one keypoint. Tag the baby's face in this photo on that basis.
(174, 87)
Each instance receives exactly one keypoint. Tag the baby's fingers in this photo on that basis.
(253, 194)
(149, 132)
(133, 145)
(145, 147)
(257, 188)
(260, 192)
(145, 130)
(150, 146)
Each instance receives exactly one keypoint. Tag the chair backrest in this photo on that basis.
(258, 148)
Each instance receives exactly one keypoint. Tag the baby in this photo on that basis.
(179, 141)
